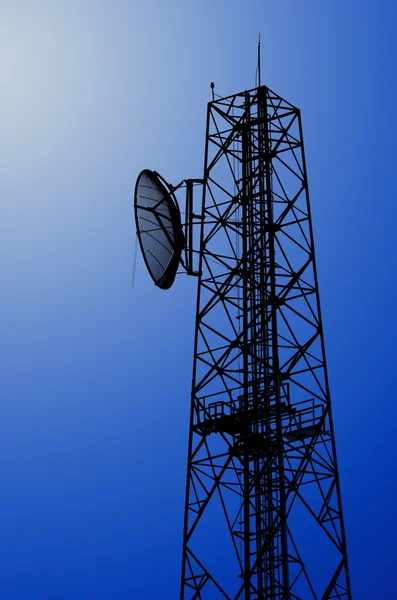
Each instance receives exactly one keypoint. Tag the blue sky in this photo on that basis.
(96, 375)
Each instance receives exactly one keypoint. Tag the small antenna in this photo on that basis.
(212, 86)
(259, 61)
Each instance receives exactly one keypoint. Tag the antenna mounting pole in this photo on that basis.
(259, 61)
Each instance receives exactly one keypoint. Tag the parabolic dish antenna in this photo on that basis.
(159, 228)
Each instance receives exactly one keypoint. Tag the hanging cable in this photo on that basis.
(134, 261)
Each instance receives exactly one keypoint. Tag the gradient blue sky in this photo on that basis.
(95, 375)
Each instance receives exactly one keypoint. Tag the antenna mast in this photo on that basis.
(263, 509)
(259, 61)
(263, 513)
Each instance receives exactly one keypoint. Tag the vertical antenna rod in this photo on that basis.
(259, 61)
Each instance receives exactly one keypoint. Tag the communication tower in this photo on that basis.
(263, 514)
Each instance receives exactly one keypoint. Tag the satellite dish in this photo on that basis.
(159, 227)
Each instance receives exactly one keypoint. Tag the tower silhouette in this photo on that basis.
(263, 514)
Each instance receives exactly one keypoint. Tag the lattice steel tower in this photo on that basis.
(263, 517)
